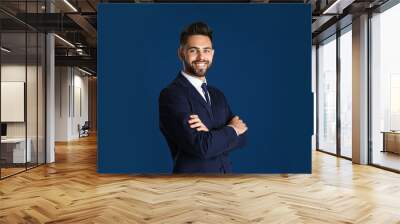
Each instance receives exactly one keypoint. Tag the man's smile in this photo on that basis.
(201, 64)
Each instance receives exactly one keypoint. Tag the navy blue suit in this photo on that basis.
(195, 151)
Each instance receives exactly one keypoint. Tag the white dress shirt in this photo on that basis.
(197, 84)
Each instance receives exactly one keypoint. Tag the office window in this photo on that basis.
(385, 88)
(346, 92)
(327, 95)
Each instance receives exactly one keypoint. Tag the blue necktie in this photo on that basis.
(205, 91)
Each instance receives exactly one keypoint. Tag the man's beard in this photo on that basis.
(191, 69)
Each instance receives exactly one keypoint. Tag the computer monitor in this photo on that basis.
(3, 129)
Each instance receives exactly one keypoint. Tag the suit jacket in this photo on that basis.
(195, 151)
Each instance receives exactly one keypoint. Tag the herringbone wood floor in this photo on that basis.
(70, 191)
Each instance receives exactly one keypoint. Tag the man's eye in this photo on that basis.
(192, 51)
(207, 51)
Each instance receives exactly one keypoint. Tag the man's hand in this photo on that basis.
(195, 122)
(237, 124)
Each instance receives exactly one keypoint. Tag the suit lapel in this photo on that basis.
(194, 94)
(213, 99)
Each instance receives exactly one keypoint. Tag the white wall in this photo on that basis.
(61, 103)
(71, 102)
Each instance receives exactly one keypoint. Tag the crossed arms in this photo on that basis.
(188, 131)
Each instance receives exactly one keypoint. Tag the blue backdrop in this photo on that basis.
(262, 64)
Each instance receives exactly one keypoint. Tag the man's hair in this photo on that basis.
(196, 28)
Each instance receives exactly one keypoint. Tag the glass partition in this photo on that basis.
(14, 151)
(22, 77)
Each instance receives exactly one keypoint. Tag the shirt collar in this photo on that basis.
(195, 81)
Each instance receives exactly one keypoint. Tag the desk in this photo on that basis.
(13, 150)
(391, 141)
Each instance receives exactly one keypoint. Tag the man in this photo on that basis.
(195, 118)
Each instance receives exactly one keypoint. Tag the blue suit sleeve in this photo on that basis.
(241, 141)
(174, 112)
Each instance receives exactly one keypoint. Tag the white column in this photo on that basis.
(50, 99)
(50, 92)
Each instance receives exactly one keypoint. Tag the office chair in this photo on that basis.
(84, 130)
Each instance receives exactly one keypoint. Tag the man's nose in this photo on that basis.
(200, 55)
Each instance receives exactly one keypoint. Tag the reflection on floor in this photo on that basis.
(11, 169)
(386, 159)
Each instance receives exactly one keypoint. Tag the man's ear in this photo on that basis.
(180, 53)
